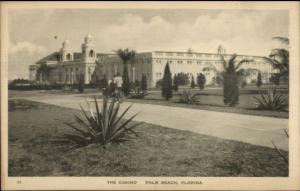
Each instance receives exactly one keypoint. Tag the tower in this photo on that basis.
(88, 50)
(66, 52)
(221, 50)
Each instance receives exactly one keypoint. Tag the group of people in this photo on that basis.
(116, 85)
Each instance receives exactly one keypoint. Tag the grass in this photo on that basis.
(157, 151)
(209, 99)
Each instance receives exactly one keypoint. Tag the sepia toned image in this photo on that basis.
(119, 94)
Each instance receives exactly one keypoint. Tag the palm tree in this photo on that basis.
(279, 58)
(231, 74)
(126, 55)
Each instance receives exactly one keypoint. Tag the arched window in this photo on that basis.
(92, 53)
(69, 56)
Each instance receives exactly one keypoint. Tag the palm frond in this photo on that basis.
(224, 63)
(242, 62)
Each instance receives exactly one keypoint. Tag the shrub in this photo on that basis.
(201, 80)
(243, 84)
(188, 97)
(275, 79)
(144, 84)
(138, 94)
(273, 100)
(183, 79)
(111, 89)
(167, 83)
(103, 83)
(80, 86)
(134, 85)
(102, 128)
(158, 83)
(175, 83)
(126, 82)
(29, 87)
(193, 83)
(259, 81)
(219, 80)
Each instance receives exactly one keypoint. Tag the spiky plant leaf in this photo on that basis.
(100, 127)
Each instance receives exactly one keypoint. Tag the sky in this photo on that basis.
(32, 31)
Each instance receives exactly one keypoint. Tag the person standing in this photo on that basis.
(118, 83)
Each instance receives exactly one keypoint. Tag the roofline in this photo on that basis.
(205, 53)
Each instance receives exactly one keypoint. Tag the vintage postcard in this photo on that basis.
(150, 95)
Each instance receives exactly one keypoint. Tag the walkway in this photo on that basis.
(256, 130)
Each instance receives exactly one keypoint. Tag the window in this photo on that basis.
(92, 53)
(69, 56)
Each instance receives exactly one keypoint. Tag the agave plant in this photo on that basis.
(188, 97)
(273, 100)
(101, 127)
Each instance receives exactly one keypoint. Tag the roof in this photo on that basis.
(55, 56)
(77, 56)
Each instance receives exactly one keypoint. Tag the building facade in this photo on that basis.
(66, 66)
(152, 64)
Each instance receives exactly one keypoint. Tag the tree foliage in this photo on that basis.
(231, 75)
(175, 83)
(80, 86)
(126, 81)
(193, 83)
(279, 58)
(259, 81)
(103, 83)
(144, 85)
(183, 78)
(167, 83)
(126, 55)
(201, 80)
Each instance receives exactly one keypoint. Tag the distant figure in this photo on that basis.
(118, 81)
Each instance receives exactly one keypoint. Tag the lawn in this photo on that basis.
(211, 98)
(157, 151)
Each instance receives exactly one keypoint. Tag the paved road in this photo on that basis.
(256, 130)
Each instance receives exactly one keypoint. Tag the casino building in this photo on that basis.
(66, 66)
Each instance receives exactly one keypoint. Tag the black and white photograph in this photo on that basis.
(186, 92)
